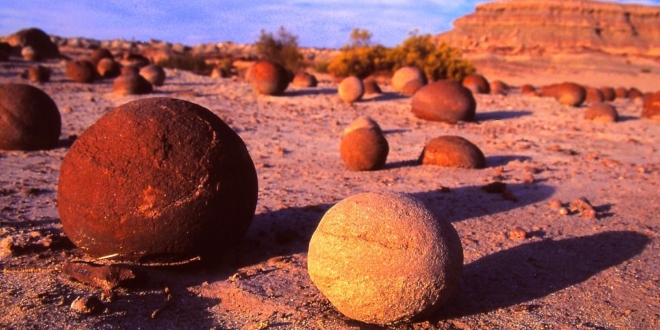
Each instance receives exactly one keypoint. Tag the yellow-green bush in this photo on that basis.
(437, 62)
(282, 49)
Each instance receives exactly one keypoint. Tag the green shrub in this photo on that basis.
(195, 64)
(362, 59)
(321, 66)
(282, 49)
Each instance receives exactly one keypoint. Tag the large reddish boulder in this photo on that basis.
(81, 71)
(452, 151)
(407, 74)
(445, 101)
(35, 38)
(477, 84)
(364, 149)
(169, 181)
(268, 78)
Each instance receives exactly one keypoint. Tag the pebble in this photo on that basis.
(87, 305)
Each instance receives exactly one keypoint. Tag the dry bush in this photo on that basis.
(281, 49)
(195, 64)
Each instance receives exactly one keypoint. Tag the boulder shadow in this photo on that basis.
(627, 118)
(309, 92)
(501, 115)
(502, 160)
(385, 96)
(458, 204)
(535, 270)
(400, 164)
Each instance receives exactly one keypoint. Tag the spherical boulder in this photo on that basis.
(382, 258)
(131, 84)
(528, 90)
(621, 92)
(268, 78)
(608, 93)
(651, 108)
(594, 95)
(364, 149)
(407, 74)
(601, 112)
(351, 89)
(169, 181)
(499, 87)
(412, 87)
(304, 79)
(452, 151)
(371, 87)
(635, 93)
(445, 101)
(99, 54)
(477, 84)
(35, 38)
(29, 118)
(81, 71)
(108, 68)
(363, 122)
(571, 94)
(38, 74)
(154, 74)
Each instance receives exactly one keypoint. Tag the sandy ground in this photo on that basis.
(569, 273)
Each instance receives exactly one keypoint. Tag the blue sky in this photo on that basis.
(316, 23)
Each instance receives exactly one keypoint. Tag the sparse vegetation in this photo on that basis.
(362, 58)
(281, 49)
(195, 64)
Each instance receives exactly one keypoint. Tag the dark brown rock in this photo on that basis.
(407, 74)
(351, 89)
(108, 68)
(364, 149)
(154, 74)
(87, 305)
(383, 257)
(29, 118)
(477, 84)
(594, 95)
(608, 93)
(445, 101)
(371, 87)
(99, 54)
(169, 181)
(499, 87)
(528, 90)
(635, 93)
(571, 94)
(621, 92)
(81, 71)
(38, 74)
(412, 87)
(35, 38)
(131, 84)
(268, 78)
(651, 108)
(601, 112)
(304, 79)
(452, 151)
(106, 277)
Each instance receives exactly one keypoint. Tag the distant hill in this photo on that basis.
(530, 27)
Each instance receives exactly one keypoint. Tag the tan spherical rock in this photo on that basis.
(384, 257)
(407, 74)
(108, 68)
(131, 84)
(364, 149)
(602, 112)
(594, 95)
(351, 89)
(477, 84)
(29, 118)
(499, 87)
(445, 101)
(452, 151)
(38, 74)
(81, 71)
(371, 87)
(651, 108)
(571, 94)
(609, 93)
(412, 87)
(304, 79)
(154, 74)
(169, 181)
(268, 78)
(363, 122)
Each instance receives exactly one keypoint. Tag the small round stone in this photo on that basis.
(371, 87)
(445, 101)
(412, 87)
(81, 71)
(154, 74)
(528, 90)
(452, 151)
(131, 84)
(477, 84)
(304, 79)
(382, 258)
(351, 89)
(608, 93)
(407, 74)
(594, 95)
(169, 181)
(635, 93)
(87, 305)
(39, 74)
(29, 118)
(268, 78)
(601, 112)
(621, 93)
(99, 54)
(363, 122)
(108, 68)
(499, 87)
(651, 108)
(571, 94)
(364, 149)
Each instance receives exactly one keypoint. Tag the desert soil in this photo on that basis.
(566, 272)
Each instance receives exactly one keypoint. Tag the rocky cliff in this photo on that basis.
(551, 27)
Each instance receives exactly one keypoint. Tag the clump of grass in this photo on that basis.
(195, 64)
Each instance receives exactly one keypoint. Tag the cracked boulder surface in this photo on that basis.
(157, 179)
(384, 257)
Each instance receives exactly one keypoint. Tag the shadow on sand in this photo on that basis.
(501, 115)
